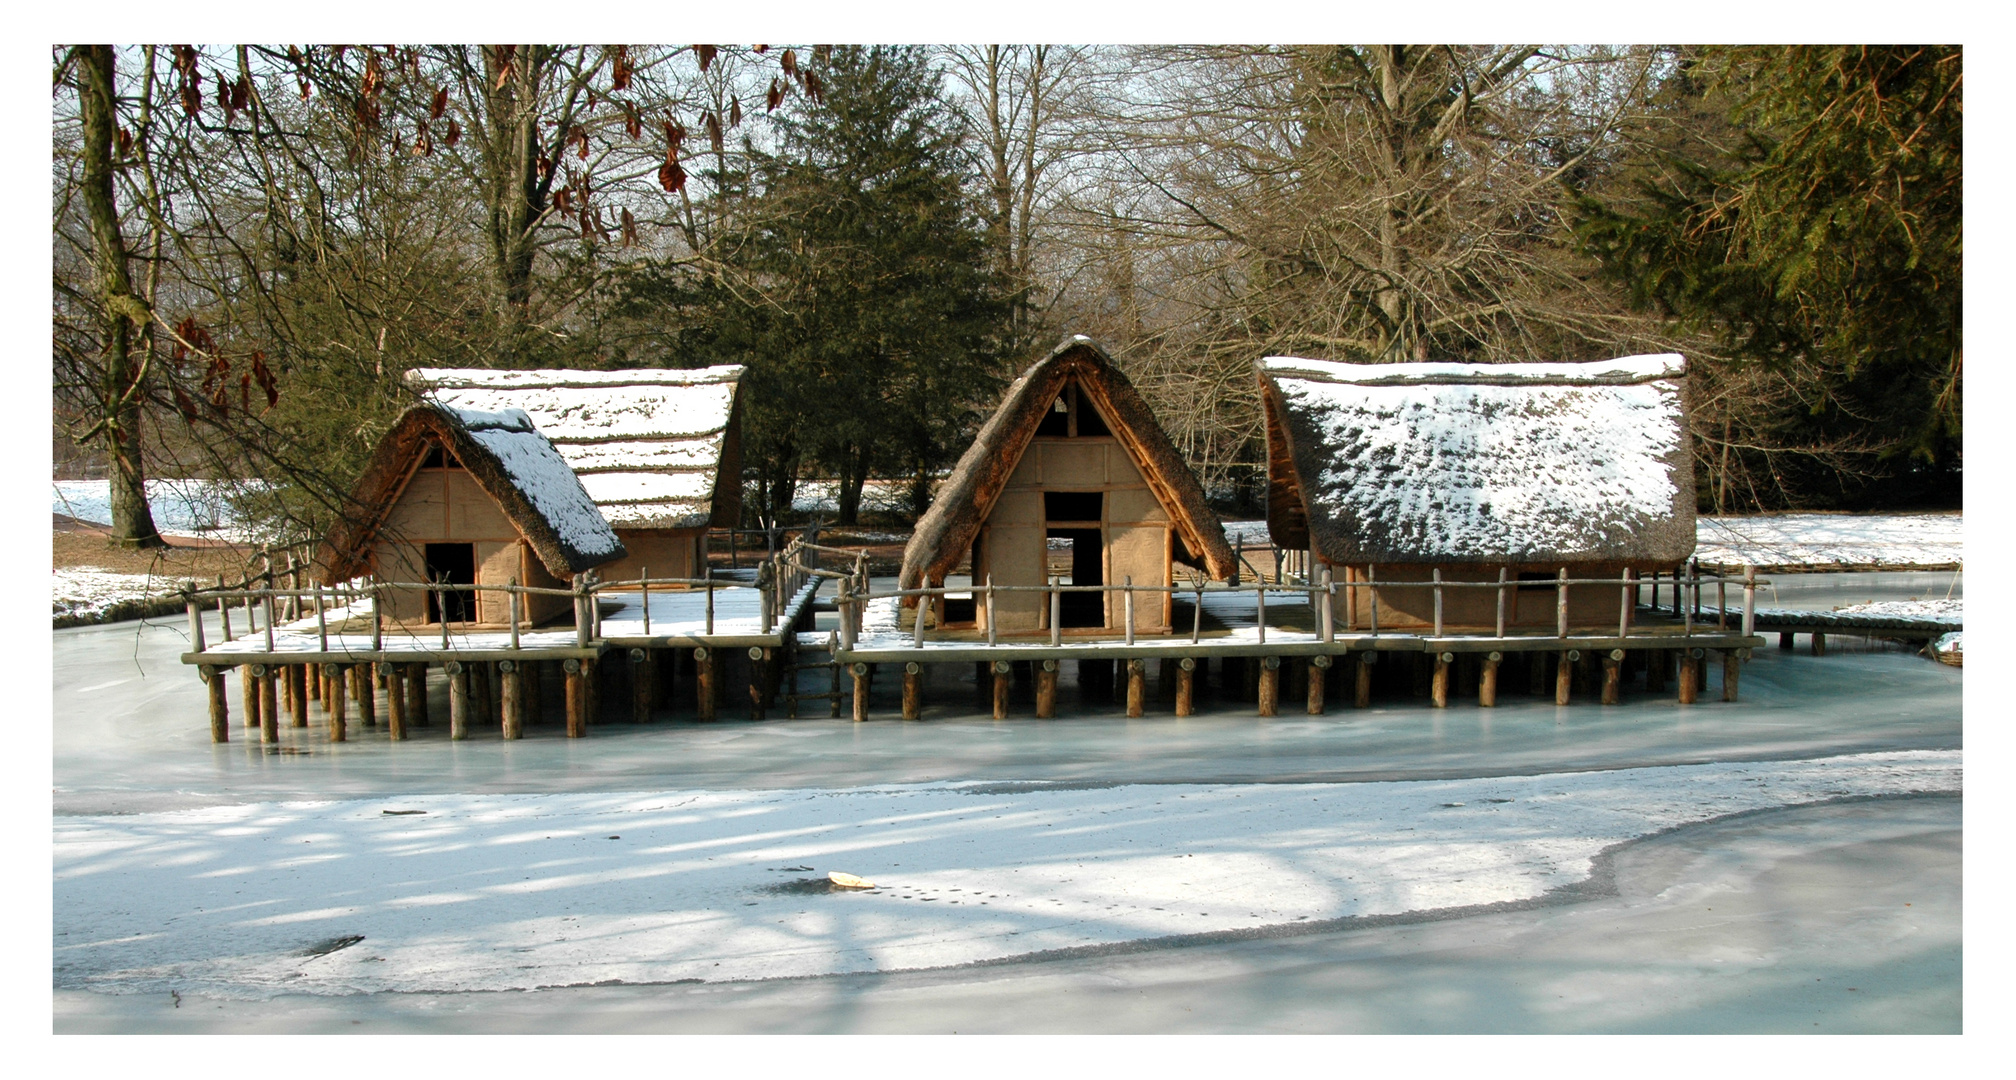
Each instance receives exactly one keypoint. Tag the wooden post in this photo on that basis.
(220, 707)
(1819, 643)
(991, 627)
(1438, 603)
(913, 689)
(1613, 676)
(1270, 686)
(1003, 680)
(1046, 689)
(703, 682)
(1503, 573)
(223, 609)
(269, 704)
(1127, 606)
(1749, 600)
(1319, 669)
(642, 670)
(1561, 604)
(1564, 674)
(458, 699)
(1137, 685)
(1327, 615)
(334, 705)
(250, 684)
(416, 694)
(1690, 678)
(1439, 696)
(1260, 612)
(297, 685)
(395, 701)
(362, 692)
(1056, 612)
(759, 665)
(195, 625)
(1732, 667)
(577, 698)
(1197, 614)
(1487, 680)
(1361, 689)
(1629, 590)
(511, 687)
(860, 691)
(1186, 685)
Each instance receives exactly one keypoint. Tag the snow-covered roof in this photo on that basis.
(648, 444)
(509, 458)
(1436, 463)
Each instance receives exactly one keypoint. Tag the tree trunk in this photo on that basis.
(124, 315)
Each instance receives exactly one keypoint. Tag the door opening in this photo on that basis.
(1077, 553)
(456, 565)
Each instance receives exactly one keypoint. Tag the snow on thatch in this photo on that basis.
(649, 445)
(1429, 463)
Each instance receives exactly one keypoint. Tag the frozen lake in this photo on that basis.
(145, 800)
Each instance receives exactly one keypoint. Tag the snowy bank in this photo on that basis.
(87, 595)
(493, 892)
(180, 507)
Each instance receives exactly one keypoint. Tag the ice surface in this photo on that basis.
(1832, 540)
(516, 892)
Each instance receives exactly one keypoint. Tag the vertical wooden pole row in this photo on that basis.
(1319, 671)
(1137, 684)
(860, 672)
(759, 665)
(333, 703)
(1361, 686)
(1046, 689)
(1690, 677)
(1270, 686)
(1003, 681)
(1487, 681)
(1186, 686)
(365, 694)
(577, 698)
(703, 681)
(1732, 668)
(297, 689)
(250, 683)
(1439, 695)
(416, 694)
(1564, 674)
(1613, 676)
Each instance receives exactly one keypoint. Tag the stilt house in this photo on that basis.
(1071, 477)
(540, 475)
(1398, 471)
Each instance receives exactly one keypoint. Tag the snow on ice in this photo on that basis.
(494, 892)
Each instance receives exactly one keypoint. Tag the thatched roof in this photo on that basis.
(655, 448)
(1436, 463)
(508, 458)
(946, 531)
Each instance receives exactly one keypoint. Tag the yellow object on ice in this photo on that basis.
(849, 881)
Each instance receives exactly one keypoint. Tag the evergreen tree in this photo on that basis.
(855, 282)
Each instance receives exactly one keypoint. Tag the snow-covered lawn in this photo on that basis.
(83, 592)
(180, 507)
(493, 892)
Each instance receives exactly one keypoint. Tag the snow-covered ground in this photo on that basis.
(494, 892)
(180, 507)
(86, 593)
(879, 496)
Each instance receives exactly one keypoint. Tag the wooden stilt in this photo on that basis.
(1186, 685)
(396, 701)
(511, 687)
(269, 704)
(250, 692)
(313, 681)
(1732, 669)
(297, 686)
(913, 689)
(1564, 675)
(458, 699)
(1046, 689)
(1137, 686)
(577, 698)
(334, 702)
(220, 703)
(1689, 679)
(1613, 677)
(1487, 680)
(361, 692)
(1819, 643)
(482, 709)
(1003, 680)
(642, 669)
(1319, 675)
(1361, 687)
(759, 662)
(860, 691)
(416, 694)
(703, 683)
(1270, 686)
(1439, 693)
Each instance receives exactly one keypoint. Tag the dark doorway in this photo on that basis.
(1084, 558)
(456, 565)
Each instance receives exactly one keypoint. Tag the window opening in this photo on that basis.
(1090, 423)
(455, 564)
(1057, 421)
